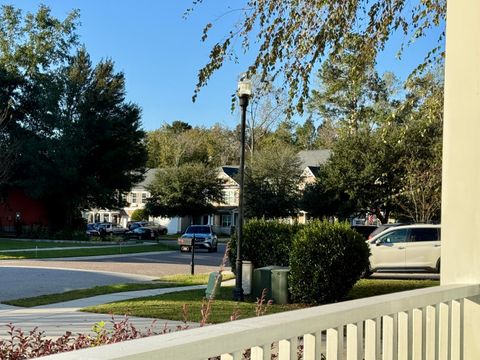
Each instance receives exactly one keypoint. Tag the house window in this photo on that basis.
(134, 198)
(226, 220)
(144, 198)
(229, 197)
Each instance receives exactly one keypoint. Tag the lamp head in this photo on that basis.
(244, 86)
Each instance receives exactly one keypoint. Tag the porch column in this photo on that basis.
(460, 259)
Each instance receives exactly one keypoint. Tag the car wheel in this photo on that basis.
(437, 268)
(164, 232)
(367, 272)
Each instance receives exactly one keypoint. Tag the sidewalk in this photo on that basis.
(56, 319)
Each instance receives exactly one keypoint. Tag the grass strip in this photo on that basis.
(12, 244)
(374, 287)
(171, 306)
(120, 249)
(163, 282)
(187, 306)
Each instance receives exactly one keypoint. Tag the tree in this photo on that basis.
(272, 183)
(326, 135)
(392, 166)
(30, 44)
(8, 149)
(266, 108)
(139, 215)
(351, 91)
(305, 135)
(294, 36)
(223, 145)
(79, 142)
(324, 200)
(420, 198)
(178, 127)
(365, 166)
(90, 147)
(190, 189)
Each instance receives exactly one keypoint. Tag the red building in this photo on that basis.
(16, 206)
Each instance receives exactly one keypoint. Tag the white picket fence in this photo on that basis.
(420, 324)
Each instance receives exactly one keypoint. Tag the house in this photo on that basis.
(225, 215)
(136, 199)
(311, 160)
(16, 207)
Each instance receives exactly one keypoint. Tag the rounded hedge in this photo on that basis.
(265, 242)
(326, 260)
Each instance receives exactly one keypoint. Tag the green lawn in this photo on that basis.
(169, 306)
(163, 282)
(12, 244)
(119, 249)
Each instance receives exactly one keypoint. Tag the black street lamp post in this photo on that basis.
(244, 93)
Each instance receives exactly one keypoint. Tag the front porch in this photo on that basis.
(435, 323)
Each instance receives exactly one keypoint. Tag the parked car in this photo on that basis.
(382, 228)
(140, 233)
(110, 228)
(92, 230)
(406, 248)
(205, 238)
(156, 228)
(364, 230)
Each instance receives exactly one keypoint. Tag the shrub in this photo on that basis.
(139, 215)
(326, 260)
(26, 345)
(265, 242)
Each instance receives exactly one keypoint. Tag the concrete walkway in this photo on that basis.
(56, 319)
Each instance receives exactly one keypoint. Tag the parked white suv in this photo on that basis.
(406, 248)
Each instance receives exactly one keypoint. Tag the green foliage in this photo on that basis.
(34, 42)
(366, 168)
(187, 190)
(80, 141)
(139, 215)
(322, 200)
(293, 37)
(305, 135)
(179, 143)
(272, 183)
(265, 242)
(326, 260)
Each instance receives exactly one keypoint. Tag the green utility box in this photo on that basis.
(280, 285)
(262, 279)
(213, 287)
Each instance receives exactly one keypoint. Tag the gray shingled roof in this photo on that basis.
(149, 176)
(230, 170)
(314, 158)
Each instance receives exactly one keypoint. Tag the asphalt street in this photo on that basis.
(26, 278)
(19, 282)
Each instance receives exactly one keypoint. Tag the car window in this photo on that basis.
(425, 234)
(395, 236)
(198, 230)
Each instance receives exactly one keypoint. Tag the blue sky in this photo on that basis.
(160, 53)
